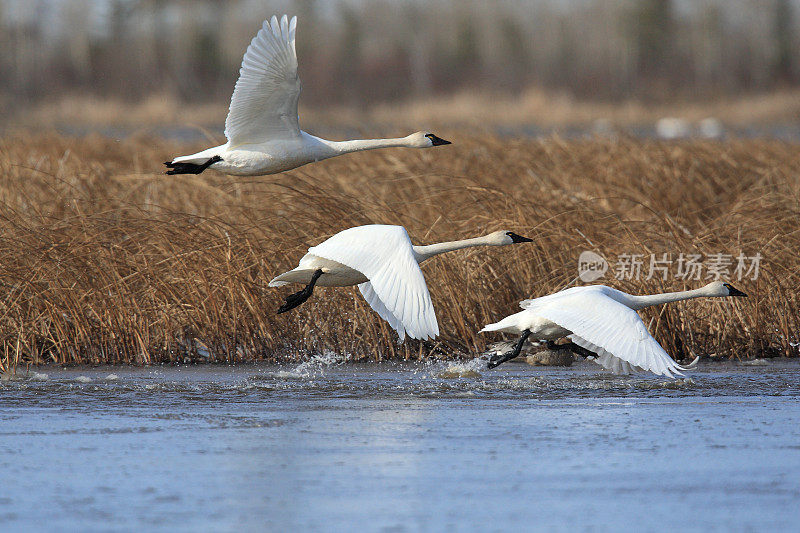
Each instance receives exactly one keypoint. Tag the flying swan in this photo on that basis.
(264, 136)
(385, 265)
(604, 321)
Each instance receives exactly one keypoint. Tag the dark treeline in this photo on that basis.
(357, 51)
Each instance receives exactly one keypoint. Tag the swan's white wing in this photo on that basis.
(374, 301)
(396, 289)
(264, 101)
(612, 330)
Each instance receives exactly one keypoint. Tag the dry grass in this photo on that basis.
(104, 259)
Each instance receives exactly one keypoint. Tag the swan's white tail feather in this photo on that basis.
(508, 324)
(280, 281)
(200, 157)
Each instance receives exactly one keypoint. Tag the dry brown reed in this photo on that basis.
(103, 259)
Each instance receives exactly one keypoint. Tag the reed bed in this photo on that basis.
(103, 259)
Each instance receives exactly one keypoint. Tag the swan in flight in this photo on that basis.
(604, 321)
(385, 265)
(264, 136)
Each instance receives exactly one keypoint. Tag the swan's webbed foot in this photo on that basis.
(499, 359)
(296, 299)
(190, 168)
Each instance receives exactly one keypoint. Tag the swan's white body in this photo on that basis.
(604, 320)
(384, 264)
(262, 127)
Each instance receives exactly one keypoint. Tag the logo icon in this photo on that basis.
(591, 266)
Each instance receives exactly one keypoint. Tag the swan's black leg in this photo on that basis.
(190, 168)
(553, 347)
(294, 300)
(580, 350)
(499, 359)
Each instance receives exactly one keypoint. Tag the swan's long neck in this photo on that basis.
(358, 145)
(640, 302)
(426, 252)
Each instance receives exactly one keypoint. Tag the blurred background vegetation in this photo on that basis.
(368, 51)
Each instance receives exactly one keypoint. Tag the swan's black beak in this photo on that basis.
(436, 141)
(518, 238)
(733, 291)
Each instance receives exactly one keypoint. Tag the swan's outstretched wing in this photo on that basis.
(612, 330)
(535, 303)
(264, 101)
(374, 301)
(396, 289)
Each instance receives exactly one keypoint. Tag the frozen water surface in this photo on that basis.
(403, 447)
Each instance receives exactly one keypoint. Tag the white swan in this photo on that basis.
(602, 320)
(385, 265)
(264, 136)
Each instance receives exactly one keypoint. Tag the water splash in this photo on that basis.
(755, 362)
(313, 367)
(459, 369)
(25, 375)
